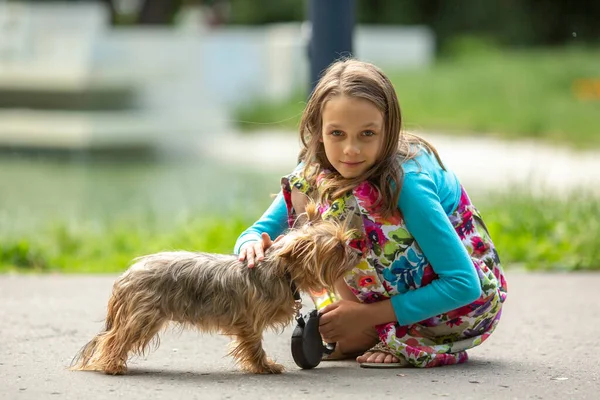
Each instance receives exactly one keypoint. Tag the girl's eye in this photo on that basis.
(368, 133)
(336, 133)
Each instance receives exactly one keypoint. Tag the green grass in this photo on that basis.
(95, 215)
(81, 249)
(510, 94)
(544, 233)
(531, 233)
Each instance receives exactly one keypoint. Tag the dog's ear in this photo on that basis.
(306, 208)
(312, 212)
(301, 247)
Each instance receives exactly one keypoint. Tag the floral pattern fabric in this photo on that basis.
(395, 264)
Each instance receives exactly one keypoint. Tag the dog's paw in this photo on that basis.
(274, 368)
(116, 370)
(264, 368)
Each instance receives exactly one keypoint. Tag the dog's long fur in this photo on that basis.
(218, 293)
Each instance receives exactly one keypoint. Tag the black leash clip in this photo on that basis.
(307, 346)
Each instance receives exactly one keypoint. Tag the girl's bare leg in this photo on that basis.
(360, 341)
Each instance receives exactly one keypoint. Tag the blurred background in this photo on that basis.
(134, 126)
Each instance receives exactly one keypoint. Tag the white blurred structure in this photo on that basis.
(242, 63)
(69, 80)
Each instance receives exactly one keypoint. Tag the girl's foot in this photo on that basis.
(376, 357)
(380, 356)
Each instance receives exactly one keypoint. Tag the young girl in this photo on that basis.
(430, 285)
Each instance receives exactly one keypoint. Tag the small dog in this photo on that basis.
(219, 293)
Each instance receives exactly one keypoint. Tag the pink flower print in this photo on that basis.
(401, 330)
(497, 273)
(459, 312)
(436, 361)
(464, 200)
(467, 215)
(428, 275)
(433, 321)
(366, 193)
(415, 331)
(384, 330)
(503, 283)
(484, 337)
(479, 246)
(454, 322)
(388, 288)
(466, 228)
(426, 349)
(372, 297)
(413, 347)
(375, 234)
(323, 208)
(359, 244)
(367, 196)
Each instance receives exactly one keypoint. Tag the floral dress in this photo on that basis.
(394, 264)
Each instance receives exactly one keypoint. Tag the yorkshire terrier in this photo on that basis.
(219, 293)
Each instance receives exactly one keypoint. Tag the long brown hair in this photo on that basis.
(355, 78)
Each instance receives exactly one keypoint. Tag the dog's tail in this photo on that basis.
(92, 356)
(82, 360)
(86, 357)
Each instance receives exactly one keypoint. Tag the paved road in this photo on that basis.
(546, 347)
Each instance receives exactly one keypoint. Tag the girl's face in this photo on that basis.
(353, 134)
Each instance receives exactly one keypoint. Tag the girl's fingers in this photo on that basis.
(250, 257)
(258, 249)
(266, 240)
(255, 251)
(330, 338)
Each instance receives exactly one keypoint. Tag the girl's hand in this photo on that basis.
(343, 319)
(255, 251)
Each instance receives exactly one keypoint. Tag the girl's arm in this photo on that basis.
(273, 222)
(426, 220)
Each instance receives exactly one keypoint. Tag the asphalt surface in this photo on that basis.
(545, 347)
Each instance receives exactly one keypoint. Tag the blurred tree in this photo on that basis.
(512, 22)
(158, 12)
(266, 11)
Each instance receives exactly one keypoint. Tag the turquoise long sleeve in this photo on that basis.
(273, 222)
(426, 219)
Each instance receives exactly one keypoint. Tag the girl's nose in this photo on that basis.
(351, 149)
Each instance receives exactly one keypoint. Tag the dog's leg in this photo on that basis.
(250, 355)
(132, 330)
(136, 337)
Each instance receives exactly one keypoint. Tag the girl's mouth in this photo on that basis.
(352, 164)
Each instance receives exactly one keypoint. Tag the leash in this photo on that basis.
(307, 346)
(296, 294)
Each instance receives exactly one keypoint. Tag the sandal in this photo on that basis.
(382, 348)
